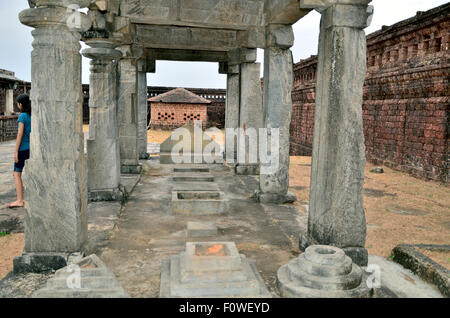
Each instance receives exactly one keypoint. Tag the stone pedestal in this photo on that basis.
(103, 152)
(55, 182)
(142, 115)
(322, 272)
(128, 116)
(211, 269)
(250, 119)
(336, 214)
(278, 82)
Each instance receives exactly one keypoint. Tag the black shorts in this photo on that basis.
(23, 155)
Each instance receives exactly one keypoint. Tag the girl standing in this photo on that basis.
(22, 150)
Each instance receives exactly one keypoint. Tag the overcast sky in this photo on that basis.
(16, 44)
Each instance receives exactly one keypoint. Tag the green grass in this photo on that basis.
(3, 233)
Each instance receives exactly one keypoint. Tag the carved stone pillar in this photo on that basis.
(336, 214)
(55, 180)
(128, 112)
(142, 106)
(232, 111)
(103, 152)
(278, 82)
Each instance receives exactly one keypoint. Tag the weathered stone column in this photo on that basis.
(232, 110)
(103, 152)
(336, 214)
(128, 113)
(250, 114)
(9, 96)
(278, 82)
(55, 181)
(142, 110)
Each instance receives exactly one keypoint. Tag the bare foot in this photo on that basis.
(15, 204)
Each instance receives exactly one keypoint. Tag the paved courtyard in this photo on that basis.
(135, 238)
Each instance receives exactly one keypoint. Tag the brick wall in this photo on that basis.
(406, 97)
(215, 110)
(171, 116)
(8, 127)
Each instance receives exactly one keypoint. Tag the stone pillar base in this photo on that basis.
(359, 255)
(131, 169)
(144, 155)
(118, 194)
(39, 262)
(323, 272)
(274, 198)
(246, 169)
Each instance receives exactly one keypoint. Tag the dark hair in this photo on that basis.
(24, 99)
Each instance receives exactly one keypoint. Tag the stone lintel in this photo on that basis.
(281, 36)
(187, 38)
(187, 55)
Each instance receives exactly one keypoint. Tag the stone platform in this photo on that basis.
(211, 269)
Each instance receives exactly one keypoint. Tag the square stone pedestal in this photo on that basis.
(211, 269)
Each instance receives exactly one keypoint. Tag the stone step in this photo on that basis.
(63, 273)
(187, 177)
(101, 282)
(81, 293)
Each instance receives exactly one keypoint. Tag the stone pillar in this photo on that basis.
(278, 82)
(232, 109)
(103, 152)
(55, 181)
(9, 96)
(142, 111)
(250, 118)
(128, 113)
(336, 214)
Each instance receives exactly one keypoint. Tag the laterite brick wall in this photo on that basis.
(406, 97)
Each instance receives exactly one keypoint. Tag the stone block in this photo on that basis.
(86, 278)
(199, 202)
(247, 169)
(201, 229)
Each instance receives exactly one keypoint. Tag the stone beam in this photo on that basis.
(185, 38)
(224, 14)
(187, 55)
(284, 11)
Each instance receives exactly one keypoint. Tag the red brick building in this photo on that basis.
(406, 97)
(176, 108)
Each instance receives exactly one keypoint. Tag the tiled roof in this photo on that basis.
(179, 95)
